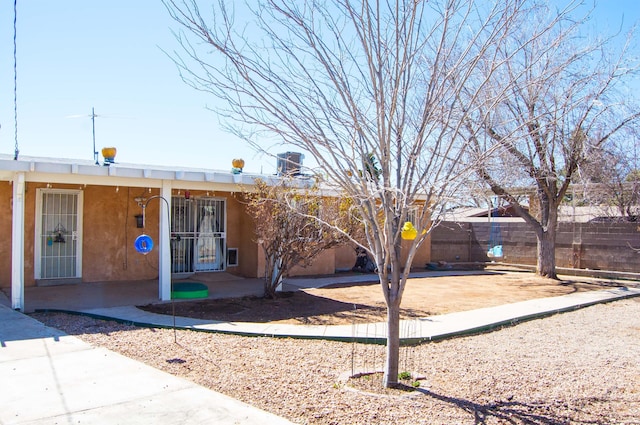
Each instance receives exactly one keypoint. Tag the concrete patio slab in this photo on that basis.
(49, 377)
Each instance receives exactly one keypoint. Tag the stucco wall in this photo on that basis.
(240, 235)
(6, 193)
(422, 256)
(29, 231)
(109, 232)
(323, 264)
(345, 257)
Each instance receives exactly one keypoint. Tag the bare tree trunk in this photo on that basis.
(546, 266)
(276, 278)
(273, 276)
(394, 298)
(382, 113)
(546, 253)
(393, 345)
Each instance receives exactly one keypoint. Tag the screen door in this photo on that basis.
(198, 234)
(58, 234)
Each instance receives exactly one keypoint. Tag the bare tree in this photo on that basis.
(557, 97)
(294, 224)
(610, 178)
(350, 82)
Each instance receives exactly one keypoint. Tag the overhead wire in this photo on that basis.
(15, 78)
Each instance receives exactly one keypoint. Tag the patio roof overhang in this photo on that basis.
(73, 171)
(81, 172)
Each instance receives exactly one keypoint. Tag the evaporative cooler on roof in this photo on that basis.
(290, 163)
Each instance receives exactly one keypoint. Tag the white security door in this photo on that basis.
(58, 253)
(210, 235)
(197, 234)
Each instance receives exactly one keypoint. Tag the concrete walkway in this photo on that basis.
(430, 328)
(49, 377)
(52, 378)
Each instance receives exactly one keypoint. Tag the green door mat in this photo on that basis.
(188, 290)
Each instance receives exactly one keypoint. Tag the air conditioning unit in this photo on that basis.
(290, 163)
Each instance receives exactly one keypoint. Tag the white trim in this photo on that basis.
(37, 247)
(164, 245)
(17, 244)
(74, 171)
(221, 250)
(80, 233)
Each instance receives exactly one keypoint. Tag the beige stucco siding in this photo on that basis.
(6, 193)
(109, 231)
(240, 235)
(109, 227)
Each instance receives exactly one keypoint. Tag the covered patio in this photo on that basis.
(81, 296)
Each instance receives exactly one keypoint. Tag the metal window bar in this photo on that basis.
(198, 235)
(58, 238)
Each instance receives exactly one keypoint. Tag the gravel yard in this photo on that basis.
(577, 367)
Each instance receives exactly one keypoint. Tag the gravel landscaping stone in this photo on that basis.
(576, 367)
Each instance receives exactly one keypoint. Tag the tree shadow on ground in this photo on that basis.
(542, 412)
(297, 307)
(569, 286)
(511, 411)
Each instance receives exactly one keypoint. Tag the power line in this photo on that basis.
(15, 78)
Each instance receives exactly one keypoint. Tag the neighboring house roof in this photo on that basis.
(477, 214)
(566, 213)
(586, 214)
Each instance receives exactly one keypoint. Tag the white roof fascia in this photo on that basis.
(51, 170)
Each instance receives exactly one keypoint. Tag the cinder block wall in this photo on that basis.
(596, 246)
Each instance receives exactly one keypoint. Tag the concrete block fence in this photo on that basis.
(594, 246)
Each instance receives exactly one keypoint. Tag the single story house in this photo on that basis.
(74, 221)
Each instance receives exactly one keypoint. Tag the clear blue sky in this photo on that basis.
(77, 54)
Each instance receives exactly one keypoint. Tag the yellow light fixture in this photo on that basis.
(409, 232)
(238, 163)
(109, 154)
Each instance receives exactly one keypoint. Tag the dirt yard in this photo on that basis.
(363, 302)
(577, 367)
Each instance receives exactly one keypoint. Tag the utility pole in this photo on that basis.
(93, 127)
